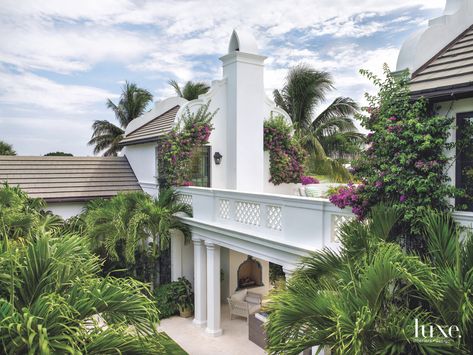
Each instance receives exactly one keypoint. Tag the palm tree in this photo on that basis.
(155, 222)
(132, 104)
(306, 89)
(52, 301)
(135, 225)
(365, 299)
(6, 149)
(191, 90)
(20, 216)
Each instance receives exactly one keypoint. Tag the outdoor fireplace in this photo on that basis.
(250, 274)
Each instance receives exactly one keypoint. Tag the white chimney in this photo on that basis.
(243, 69)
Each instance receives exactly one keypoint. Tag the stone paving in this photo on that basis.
(195, 341)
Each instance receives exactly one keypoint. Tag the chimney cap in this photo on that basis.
(242, 41)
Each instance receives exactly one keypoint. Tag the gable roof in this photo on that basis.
(59, 179)
(150, 131)
(448, 71)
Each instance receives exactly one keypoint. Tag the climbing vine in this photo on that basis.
(177, 149)
(286, 156)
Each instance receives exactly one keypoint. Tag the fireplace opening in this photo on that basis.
(250, 274)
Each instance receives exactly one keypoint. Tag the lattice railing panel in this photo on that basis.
(224, 209)
(274, 217)
(185, 198)
(337, 222)
(248, 213)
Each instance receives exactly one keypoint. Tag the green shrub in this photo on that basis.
(165, 299)
(174, 295)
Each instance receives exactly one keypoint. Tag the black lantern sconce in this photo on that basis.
(217, 158)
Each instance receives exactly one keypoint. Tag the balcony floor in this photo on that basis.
(195, 341)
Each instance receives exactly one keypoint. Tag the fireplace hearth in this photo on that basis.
(250, 274)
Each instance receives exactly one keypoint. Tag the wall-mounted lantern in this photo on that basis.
(218, 158)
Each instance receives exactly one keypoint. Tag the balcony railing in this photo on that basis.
(309, 223)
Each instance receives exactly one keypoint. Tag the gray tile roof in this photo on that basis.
(69, 178)
(150, 131)
(451, 67)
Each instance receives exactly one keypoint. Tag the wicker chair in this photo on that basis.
(244, 303)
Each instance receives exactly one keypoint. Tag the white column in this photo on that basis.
(177, 243)
(213, 289)
(200, 283)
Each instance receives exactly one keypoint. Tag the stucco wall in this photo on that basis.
(234, 261)
(225, 265)
(188, 261)
(142, 158)
(66, 209)
(182, 257)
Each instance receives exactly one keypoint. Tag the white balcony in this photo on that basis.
(294, 222)
(286, 222)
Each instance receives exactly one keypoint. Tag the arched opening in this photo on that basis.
(250, 274)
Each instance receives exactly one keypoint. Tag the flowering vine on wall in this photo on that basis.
(405, 163)
(286, 156)
(176, 150)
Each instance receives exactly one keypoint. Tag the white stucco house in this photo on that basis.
(241, 221)
(66, 184)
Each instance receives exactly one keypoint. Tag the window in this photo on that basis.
(464, 161)
(200, 167)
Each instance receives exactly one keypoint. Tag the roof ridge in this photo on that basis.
(154, 119)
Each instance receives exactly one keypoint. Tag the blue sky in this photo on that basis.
(60, 60)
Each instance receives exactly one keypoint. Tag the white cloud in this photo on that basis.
(71, 49)
(164, 39)
(30, 91)
(64, 36)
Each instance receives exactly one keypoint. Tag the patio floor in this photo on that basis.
(195, 341)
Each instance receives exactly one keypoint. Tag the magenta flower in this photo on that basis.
(402, 198)
(306, 180)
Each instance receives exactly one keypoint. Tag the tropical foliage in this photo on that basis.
(406, 160)
(132, 104)
(58, 154)
(21, 216)
(330, 133)
(366, 298)
(52, 299)
(6, 149)
(191, 89)
(174, 297)
(132, 229)
(176, 150)
(286, 156)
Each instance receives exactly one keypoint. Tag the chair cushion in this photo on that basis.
(239, 296)
(253, 299)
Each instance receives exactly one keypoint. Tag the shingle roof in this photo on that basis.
(69, 178)
(149, 132)
(451, 67)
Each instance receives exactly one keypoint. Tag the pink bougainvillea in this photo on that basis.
(285, 154)
(176, 149)
(348, 196)
(307, 180)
